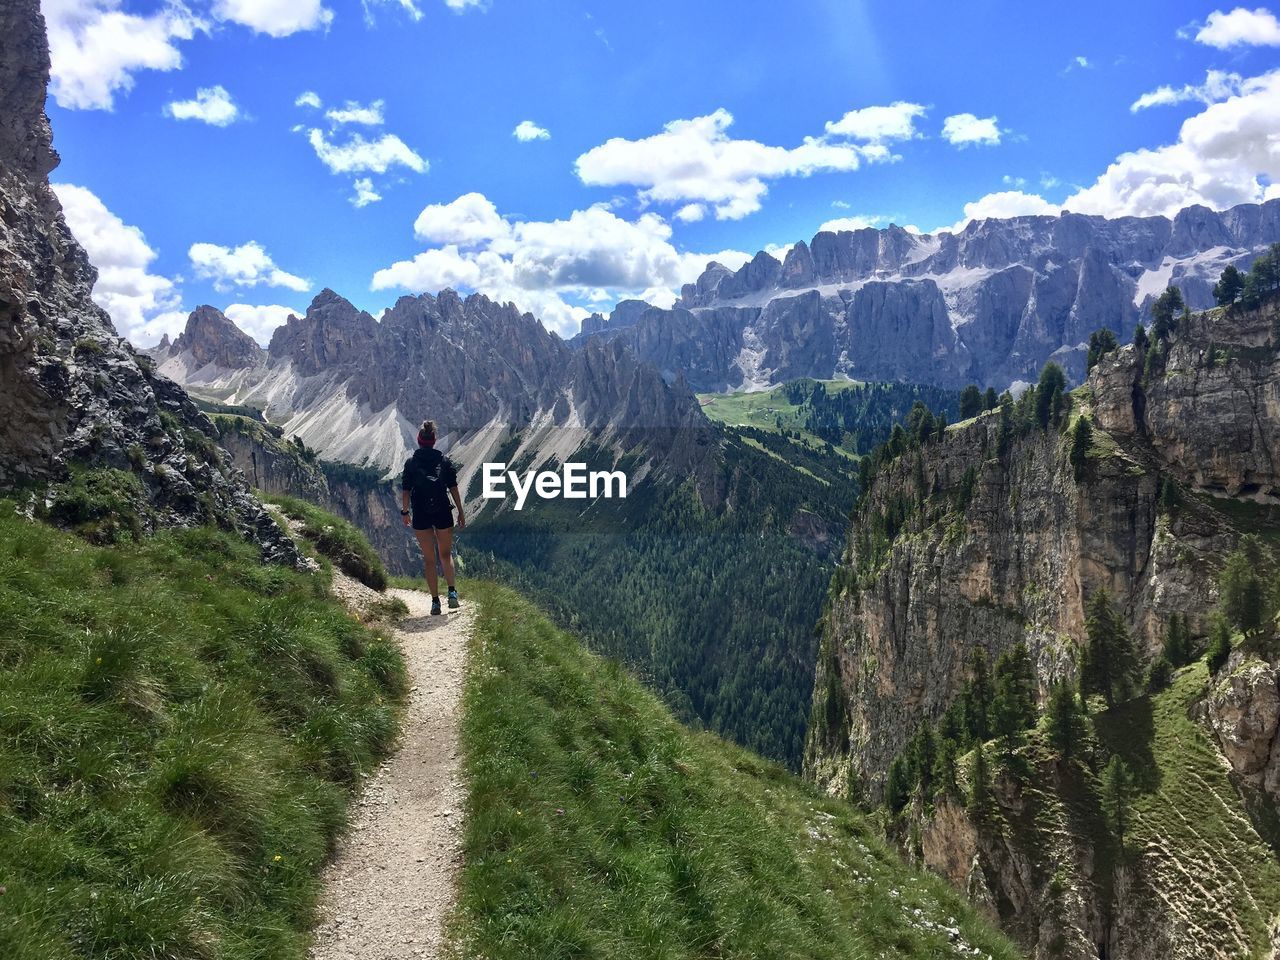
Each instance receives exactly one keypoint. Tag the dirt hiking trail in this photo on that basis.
(392, 886)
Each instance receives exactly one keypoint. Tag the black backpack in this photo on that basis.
(428, 488)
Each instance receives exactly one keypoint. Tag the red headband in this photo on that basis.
(425, 440)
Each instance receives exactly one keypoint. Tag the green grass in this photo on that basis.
(336, 539)
(1189, 826)
(599, 827)
(762, 409)
(181, 727)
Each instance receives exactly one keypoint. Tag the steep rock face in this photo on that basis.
(210, 337)
(76, 396)
(1017, 562)
(1016, 293)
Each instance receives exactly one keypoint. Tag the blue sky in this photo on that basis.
(238, 195)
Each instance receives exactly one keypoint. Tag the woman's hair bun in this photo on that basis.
(429, 427)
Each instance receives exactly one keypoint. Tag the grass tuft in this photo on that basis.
(336, 539)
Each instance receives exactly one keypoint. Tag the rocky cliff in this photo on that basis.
(990, 537)
(989, 304)
(76, 396)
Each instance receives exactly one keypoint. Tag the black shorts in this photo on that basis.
(440, 519)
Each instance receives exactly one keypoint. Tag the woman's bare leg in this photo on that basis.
(427, 541)
(445, 539)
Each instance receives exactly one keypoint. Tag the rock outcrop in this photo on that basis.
(1002, 297)
(990, 537)
(211, 338)
(76, 396)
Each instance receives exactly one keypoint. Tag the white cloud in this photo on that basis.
(359, 155)
(468, 220)
(543, 265)
(142, 305)
(879, 124)
(95, 48)
(364, 194)
(691, 213)
(309, 98)
(461, 6)
(1257, 27)
(527, 130)
(1218, 85)
(212, 105)
(276, 18)
(259, 321)
(1006, 203)
(1226, 154)
(247, 265)
(696, 161)
(840, 204)
(409, 6)
(965, 130)
(352, 112)
(850, 223)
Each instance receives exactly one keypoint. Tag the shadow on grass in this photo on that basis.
(1128, 729)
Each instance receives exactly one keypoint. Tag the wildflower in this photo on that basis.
(277, 858)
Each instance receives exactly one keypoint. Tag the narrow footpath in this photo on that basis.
(393, 883)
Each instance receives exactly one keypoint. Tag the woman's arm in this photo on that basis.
(404, 506)
(457, 500)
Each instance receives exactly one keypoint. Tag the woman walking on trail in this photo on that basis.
(430, 479)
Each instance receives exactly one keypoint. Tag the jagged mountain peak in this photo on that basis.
(211, 336)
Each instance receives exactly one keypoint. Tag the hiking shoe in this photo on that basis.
(435, 606)
(453, 599)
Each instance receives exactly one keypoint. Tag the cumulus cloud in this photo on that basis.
(544, 265)
(309, 98)
(95, 48)
(352, 112)
(1240, 27)
(365, 193)
(1226, 154)
(275, 18)
(696, 161)
(1218, 85)
(879, 124)
(1006, 203)
(966, 130)
(857, 222)
(259, 321)
(358, 155)
(247, 265)
(143, 305)
(468, 220)
(527, 130)
(212, 105)
(691, 213)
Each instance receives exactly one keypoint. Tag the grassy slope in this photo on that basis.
(180, 728)
(599, 827)
(761, 409)
(1198, 848)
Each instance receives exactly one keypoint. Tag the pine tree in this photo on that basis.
(1101, 342)
(1140, 340)
(970, 402)
(1177, 641)
(979, 784)
(977, 697)
(1219, 643)
(990, 400)
(1110, 662)
(897, 788)
(1066, 720)
(944, 768)
(926, 757)
(1164, 312)
(1081, 441)
(1240, 586)
(1229, 287)
(1049, 392)
(1117, 791)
